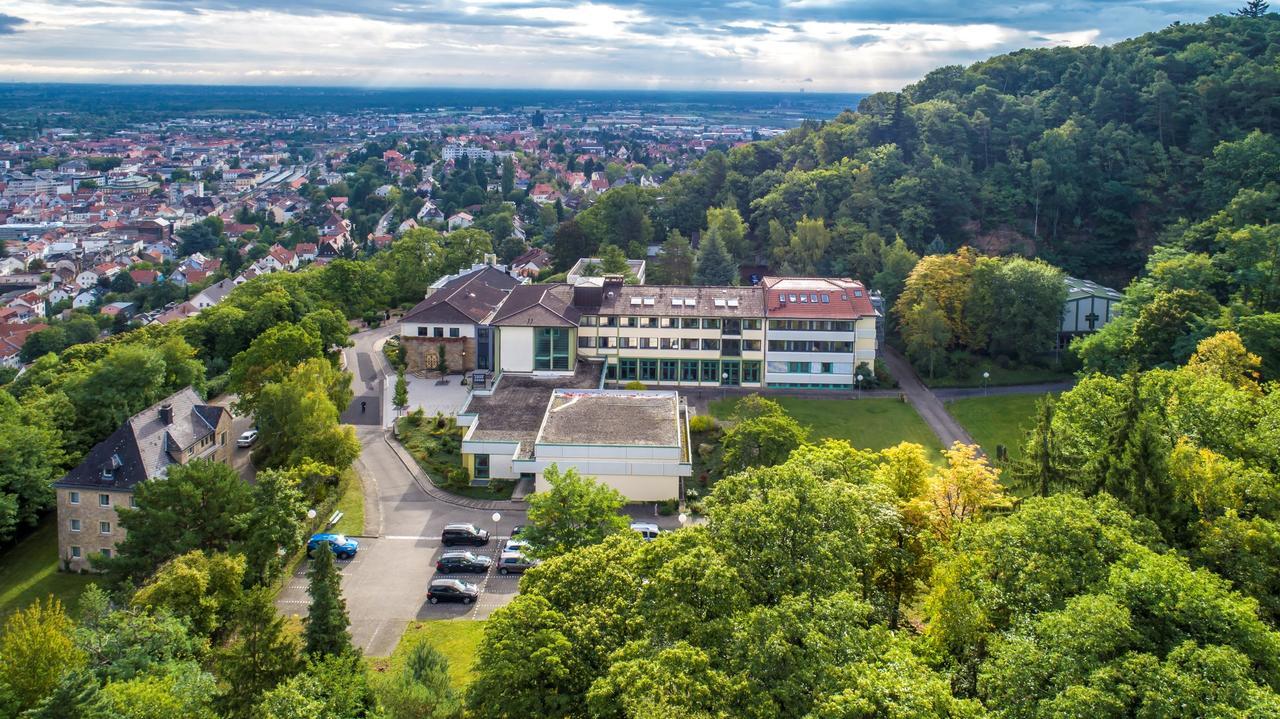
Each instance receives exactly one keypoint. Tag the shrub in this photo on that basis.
(636, 385)
(702, 423)
(668, 507)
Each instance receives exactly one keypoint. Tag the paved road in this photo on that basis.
(926, 403)
(385, 586)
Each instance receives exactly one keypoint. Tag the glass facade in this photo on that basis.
(551, 348)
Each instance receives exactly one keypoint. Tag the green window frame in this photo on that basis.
(750, 372)
(689, 370)
(711, 371)
(481, 466)
(648, 370)
(551, 348)
(669, 370)
(626, 369)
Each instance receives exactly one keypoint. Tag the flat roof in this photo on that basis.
(513, 413)
(612, 417)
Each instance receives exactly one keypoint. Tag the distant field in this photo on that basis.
(999, 419)
(29, 571)
(865, 423)
(456, 639)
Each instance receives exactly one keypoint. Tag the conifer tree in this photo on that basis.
(715, 267)
(1040, 468)
(76, 696)
(261, 655)
(325, 628)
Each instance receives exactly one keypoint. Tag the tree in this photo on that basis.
(199, 506)
(36, 650)
(715, 266)
(574, 511)
(508, 176)
(809, 244)
(1253, 8)
(401, 397)
(725, 227)
(270, 357)
(201, 589)
(613, 260)
(335, 686)
(298, 418)
(421, 690)
(273, 528)
(125, 643)
(260, 655)
(1041, 468)
(762, 441)
(926, 332)
(76, 696)
(31, 458)
(324, 630)
(1224, 356)
(959, 493)
(181, 690)
(570, 244)
(897, 262)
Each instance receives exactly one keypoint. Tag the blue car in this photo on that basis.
(342, 546)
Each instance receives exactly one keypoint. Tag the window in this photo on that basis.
(648, 370)
(75, 552)
(751, 324)
(827, 367)
(424, 331)
(73, 497)
(133, 502)
(826, 299)
(689, 371)
(630, 321)
(626, 369)
(586, 342)
(798, 367)
(222, 440)
(648, 343)
(711, 344)
(104, 500)
(106, 554)
(689, 344)
(711, 371)
(689, 323)
(550, 348)
(628, 343)
(482, 466)
(104, 527)
(455, 332)
(609, 322)
(750, 372)
(669, 370)
(437, 332)
(710, 324)
(649, 322)
(75, 525)
(667, 343)
(608, 343)
(669, 322)
(775, 366)
(750, 345)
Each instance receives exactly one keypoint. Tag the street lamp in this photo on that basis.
(857, 384)
(683, 518)
(985, 376)
(311, 514)
(497, 517)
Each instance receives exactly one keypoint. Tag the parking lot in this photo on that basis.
(385, 587)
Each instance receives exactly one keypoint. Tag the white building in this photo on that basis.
(455, 151)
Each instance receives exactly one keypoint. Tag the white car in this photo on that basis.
(514, 545)
(248, 438)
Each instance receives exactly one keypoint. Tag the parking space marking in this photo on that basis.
(423, 538)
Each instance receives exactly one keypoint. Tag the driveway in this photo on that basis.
(926, 404)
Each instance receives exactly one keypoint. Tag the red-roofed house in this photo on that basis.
(818, 332)
(144, 278)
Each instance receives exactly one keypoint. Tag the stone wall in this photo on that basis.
(420, 353)
(91, 514)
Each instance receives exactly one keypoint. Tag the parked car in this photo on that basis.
(342, 546)
(463, 562)
(517, 530)
(515, 545)
(648, 531)
(248, 438)
(455, 534)
(452, 590)
(515, 562)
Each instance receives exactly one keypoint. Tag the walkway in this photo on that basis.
(926, 403)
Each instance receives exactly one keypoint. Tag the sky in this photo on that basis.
(748, 45)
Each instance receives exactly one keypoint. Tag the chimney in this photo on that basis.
(614, 280)
(166, 413)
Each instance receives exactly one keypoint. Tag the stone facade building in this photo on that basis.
(456, 315)
(176, 430)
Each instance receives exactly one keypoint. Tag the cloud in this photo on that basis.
(834, 45)
(9, 24)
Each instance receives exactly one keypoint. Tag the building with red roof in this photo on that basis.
(819, 332)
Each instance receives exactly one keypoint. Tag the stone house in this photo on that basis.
(455, 315)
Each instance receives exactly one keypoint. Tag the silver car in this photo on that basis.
(515, 563)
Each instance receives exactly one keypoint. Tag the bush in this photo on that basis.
(217, 386)
(702, 423)
(635, 385)
(883, 377)
(668, 507)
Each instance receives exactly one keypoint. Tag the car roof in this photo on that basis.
(457, 553)
(645, 525)
(446, 582)
(463, 525)
(513, 555)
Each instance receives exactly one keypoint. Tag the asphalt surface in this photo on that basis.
(925, 402)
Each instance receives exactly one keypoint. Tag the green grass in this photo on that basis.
(351, 504)
(29, 571)
(865, 423)
(999, 377)
(456, 639)
(999, 419)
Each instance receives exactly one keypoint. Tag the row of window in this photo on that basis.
(686, 323)
(668, 343)
(438, 332)
(810, 346)
(103, 527)
(812, 325)
(76, 554)
(104, 499)
(728, 372)
(811, 367)
(551, 348)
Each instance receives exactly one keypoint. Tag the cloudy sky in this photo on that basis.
(817, 45)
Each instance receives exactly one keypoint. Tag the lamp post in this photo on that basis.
(857, 384)
(683, 518)
(985, 376)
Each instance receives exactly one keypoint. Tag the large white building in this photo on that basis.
(453, 152)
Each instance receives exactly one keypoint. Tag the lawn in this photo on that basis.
(999, 419)
(436, 446)
(351, 504)
(865, 423)
(456, 639)
(1000, 377)
(29, 571)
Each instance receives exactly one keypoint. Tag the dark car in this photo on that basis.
(452, 590)
(462, 562)
(342, 546)
(468, 534)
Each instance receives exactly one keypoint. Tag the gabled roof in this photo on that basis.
(816, 298)
(538, 306)
(144, 446)
(467, 299)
